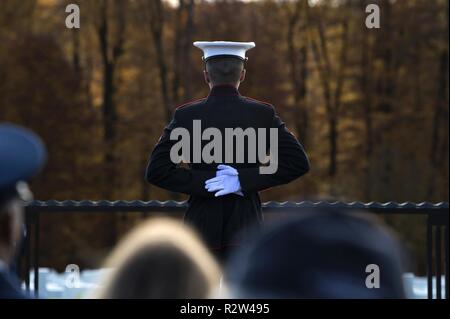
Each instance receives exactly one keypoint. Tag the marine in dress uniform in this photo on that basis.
(224, 200)
(22, 154)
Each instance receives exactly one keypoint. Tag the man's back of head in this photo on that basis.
(161, 258)
(320, 255)
(225, 70)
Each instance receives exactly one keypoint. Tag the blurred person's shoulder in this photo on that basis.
(9, 287)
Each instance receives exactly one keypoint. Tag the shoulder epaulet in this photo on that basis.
(258, 101)
(189, 103)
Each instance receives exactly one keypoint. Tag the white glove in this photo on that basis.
(226, 182)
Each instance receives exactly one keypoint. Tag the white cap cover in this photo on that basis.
(224, 48)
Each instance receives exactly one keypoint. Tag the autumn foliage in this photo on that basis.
(370, 105)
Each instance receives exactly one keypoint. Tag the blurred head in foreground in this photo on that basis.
(22, 155)
(321, 255)
(161, 259)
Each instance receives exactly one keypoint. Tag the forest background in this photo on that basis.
(369, 105)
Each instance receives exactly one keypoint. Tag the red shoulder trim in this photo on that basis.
(262, 102)
(189, 103)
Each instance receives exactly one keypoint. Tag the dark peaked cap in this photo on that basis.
(22, 155)
(321, 255)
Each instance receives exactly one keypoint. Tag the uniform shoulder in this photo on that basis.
(189, 104)
(250, 99)
(266, 105)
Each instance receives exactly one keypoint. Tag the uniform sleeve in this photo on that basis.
(162, 172)
(292, 162)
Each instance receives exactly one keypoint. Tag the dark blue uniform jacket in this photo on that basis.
(219, 219)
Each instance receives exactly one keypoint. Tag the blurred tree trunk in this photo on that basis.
(184, 30)
(327, 77)
(440, 117)
(187, 49)
(385, 90)
(439, 135)
(112, 48)
(83, 67)
(367, 100)
(144, 143)
(76, 51)
(386, 82)
(154, 11)
(298, 60)
(177, 53)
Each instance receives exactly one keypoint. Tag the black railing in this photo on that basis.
(437, 216)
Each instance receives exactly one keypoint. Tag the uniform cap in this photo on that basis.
(224, 48)
(22, 155)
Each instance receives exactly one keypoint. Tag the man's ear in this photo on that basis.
(242, 78)
(206, 76)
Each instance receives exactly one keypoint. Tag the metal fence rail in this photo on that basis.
(437, 216)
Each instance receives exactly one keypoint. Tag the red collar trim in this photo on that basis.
(189, 103)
